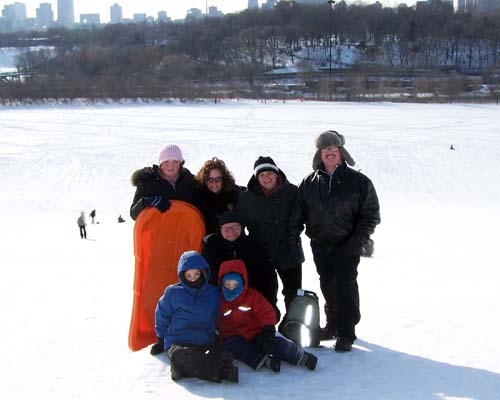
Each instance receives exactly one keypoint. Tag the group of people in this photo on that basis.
(337, 205)
(82, 223)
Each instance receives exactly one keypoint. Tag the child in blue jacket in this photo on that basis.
(185, 322)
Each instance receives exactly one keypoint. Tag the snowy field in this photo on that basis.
(430, 296)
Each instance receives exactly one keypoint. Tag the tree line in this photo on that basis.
(231, 56)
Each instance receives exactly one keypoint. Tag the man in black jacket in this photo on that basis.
(340, 209)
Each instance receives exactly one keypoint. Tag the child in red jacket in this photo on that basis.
(246, 324)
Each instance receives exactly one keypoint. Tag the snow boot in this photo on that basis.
(230, 373)
(174, 373)
(308, 360)
(273, 363)
(344, 344)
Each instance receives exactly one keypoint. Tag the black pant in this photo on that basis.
(337, 276)
(291, 280)
(83, 232)
(203, 362)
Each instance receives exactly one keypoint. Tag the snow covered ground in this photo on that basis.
(429, 296)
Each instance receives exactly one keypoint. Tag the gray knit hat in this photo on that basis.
(331, 138)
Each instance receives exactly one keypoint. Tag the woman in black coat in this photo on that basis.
(215, 193)
(168, 180)
(265, 209)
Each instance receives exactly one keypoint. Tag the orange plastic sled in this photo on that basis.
(159, 241)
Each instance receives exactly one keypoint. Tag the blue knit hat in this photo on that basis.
(230, 295)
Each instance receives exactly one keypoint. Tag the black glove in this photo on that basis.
(267, 338)
(157, 348)
(353, 246)
(160, 202)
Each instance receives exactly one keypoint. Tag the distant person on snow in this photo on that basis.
(168, 180)
(185, 322)
(82, 224)
(340, 209)
(247, 324)
(120, 219)
(92, 215)
(451, 147)
(216, 192)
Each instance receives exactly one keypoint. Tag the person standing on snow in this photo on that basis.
(81, 225)
(265, 210)
(92, 215)
(340, 209)
(168, 180)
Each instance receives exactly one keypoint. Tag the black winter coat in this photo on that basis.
(150, 183)
(267, 220)
(261, 273)
(336, 208)
(212, 205)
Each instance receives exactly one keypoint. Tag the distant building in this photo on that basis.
(163, 17)
(194, 14)
(253, 4)
(14, 16)
(116, 14)
(66, 13)
(268, 5)
(311, 2)
(214, 12)
(44, 16)
(90, 19)
(139, 18)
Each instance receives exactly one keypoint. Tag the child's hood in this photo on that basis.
(192, 260)
(237, 266)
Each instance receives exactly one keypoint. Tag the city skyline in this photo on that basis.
(175, 9)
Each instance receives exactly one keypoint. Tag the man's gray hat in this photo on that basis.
(331, 138)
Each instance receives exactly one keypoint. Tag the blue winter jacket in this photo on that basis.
(185, 315)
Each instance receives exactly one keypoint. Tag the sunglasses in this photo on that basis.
(216, 179)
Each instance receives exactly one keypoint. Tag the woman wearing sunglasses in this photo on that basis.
(216, 192)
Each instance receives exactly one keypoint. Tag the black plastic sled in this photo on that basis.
(301, 323)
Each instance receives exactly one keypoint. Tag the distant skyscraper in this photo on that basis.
(15, 15)
(116, 14)
(66, 13)
(44, 15)
(253, 4)
(15, 11)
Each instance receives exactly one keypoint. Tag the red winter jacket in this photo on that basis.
(248, 313)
